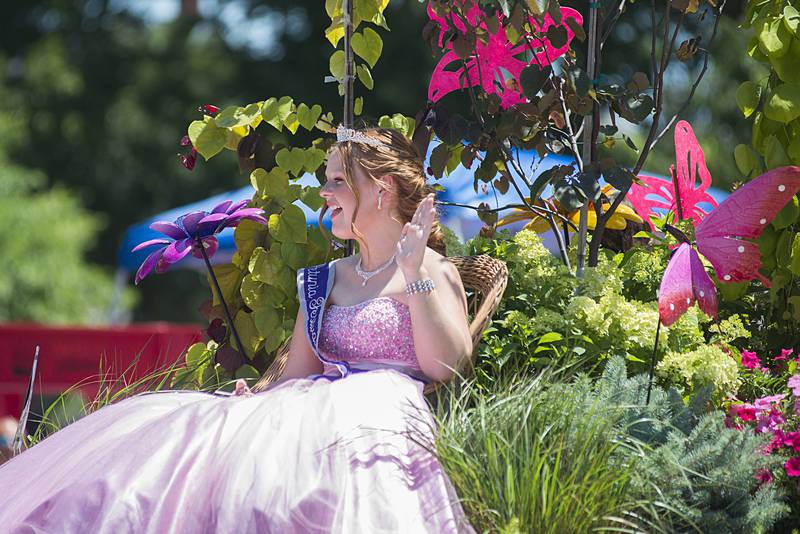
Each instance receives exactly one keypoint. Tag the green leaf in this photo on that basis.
(787, 66)
(275, 111)
(791, 18)
(247, 371)
(748, 96)
(197, 355)
(368, 45)
(267, 320)
(784, 104)
(293, 255)
(247, 235)
(619, 177)
(788, 215)
(308, 117)
(746, 159)
(310, 197)
(314, 158)
(273, 185)
(774, 154)
(774, 38)
(365, 76)
(399, 122)
(243, 322)
(291, 123)
(336, 65)
(438, 159)
(289, 225)
(533, 79)
(783, 249)
(228, 275)
(234, 116)
(358, 106)
(550, 337)
(207, 138)
(569, 196)
(794, 265)
(291, 159)
(252, 291)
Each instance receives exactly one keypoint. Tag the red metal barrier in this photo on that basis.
(69, 355)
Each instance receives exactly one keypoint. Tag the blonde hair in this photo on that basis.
(397, 157)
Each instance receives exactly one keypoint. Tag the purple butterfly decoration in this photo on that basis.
(724, 237)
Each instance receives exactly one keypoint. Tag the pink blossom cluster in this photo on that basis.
(766, 414)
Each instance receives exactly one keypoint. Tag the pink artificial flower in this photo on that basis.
(764, 477)
(792, 466)
(794, 385)
(785, 353)
(750, 360)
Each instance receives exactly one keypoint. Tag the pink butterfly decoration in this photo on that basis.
(659, 193)
(723, 237)
(487, 68)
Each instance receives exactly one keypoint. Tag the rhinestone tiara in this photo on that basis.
(349, 134)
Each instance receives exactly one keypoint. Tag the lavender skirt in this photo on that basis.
(307, 456)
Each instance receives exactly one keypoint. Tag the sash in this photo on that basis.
(314, 285)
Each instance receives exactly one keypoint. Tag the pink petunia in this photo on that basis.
(792, 466)
(778, 441)
(764, 477)
(745, 412)
(792, 439)
(750, 360)
(771, 420)
(785, 353)
(765, 403)
(794, 385)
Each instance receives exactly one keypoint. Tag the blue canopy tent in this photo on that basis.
(458, 188)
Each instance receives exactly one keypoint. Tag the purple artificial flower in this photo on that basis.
(187, 229)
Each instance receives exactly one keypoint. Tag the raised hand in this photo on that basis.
(414, 239)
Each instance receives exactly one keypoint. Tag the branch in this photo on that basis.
(697, 81)
(613, 22)
(572, 140)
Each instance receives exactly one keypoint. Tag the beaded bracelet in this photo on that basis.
(420, 286)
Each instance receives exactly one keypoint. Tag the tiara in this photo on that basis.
(349, 134)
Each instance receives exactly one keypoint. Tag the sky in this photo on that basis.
(257, 33)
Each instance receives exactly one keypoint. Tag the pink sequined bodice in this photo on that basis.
(376, 330)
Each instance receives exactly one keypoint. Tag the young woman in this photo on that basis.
(342, 442)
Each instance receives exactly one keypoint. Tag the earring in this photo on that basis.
(380, 196)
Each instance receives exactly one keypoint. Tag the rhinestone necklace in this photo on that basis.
(366, 275)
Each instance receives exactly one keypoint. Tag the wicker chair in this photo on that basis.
(484, 280)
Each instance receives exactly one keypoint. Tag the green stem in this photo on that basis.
(221, 299)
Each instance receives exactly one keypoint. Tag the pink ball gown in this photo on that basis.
(319, 454)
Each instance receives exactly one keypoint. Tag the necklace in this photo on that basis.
(366, 275)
